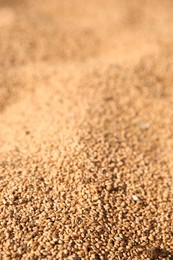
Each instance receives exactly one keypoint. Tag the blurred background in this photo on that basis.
(58, 31)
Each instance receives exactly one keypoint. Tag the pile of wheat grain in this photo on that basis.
(86, 123)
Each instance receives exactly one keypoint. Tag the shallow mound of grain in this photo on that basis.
(86, 125)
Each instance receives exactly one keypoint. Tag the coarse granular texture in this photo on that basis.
(86, 129)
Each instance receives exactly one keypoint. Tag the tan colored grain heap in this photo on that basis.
(86, 129)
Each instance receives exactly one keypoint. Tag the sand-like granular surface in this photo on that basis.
(86, 129)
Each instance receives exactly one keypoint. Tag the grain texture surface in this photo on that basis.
(86, 129)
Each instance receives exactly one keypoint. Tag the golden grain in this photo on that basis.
(86, 130)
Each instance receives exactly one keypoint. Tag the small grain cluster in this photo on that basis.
(86, 130)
